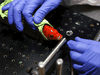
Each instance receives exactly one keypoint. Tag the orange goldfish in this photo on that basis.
(51, 33)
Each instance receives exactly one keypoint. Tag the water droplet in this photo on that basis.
(81, 31)
(70, 18)
(66, 24)
(74, 13)
(73, 27)
(61, 30)
(39, 44)
(94, 29)
(97, 24)
(77, 23)
(47, 48)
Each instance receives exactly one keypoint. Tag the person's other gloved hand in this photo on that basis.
(85, 55)
(27, 7)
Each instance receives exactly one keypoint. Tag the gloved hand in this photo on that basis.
(26, 8)
(85, 55)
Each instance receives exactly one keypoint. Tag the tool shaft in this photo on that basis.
(41, 68)
(54, 51)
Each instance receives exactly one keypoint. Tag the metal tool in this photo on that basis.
(56, 49)
(41, 68)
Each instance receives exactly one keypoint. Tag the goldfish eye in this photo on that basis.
(51, 36)
(51, 30)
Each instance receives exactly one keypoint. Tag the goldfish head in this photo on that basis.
(51, 33)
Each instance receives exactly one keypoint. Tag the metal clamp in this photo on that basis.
(59, 65)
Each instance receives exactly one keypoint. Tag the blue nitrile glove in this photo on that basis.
(85, 55)
(27, 7)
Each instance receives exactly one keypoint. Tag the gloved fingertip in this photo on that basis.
(77, 67)
(69, 42)
(37, 19)
(6, 7)
(19, 25)
(35, 28)
(20, 29)
(3, 8)
(77, 38)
